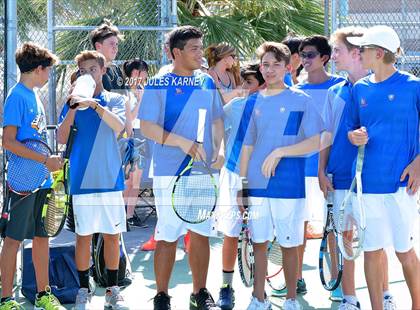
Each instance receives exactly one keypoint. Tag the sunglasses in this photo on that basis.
(309, 55)
(362, 49)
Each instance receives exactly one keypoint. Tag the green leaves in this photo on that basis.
(245, 24)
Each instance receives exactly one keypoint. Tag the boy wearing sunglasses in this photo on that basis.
(387, 104)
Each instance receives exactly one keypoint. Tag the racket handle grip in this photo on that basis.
(245, 192)
(73, 130)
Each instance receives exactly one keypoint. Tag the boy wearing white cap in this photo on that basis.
(387, 104)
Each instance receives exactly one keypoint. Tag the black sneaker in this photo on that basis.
(162, 301)
(226, 298)
(202, 301)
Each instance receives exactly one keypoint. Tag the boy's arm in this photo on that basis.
(245, 156)
(218, 137)
(53, 162)
(63, 130)
(156, 133)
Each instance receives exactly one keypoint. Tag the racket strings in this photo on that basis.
(56, 211)
(194, 197)
(246, 262)
(275, 255)
(351, 235)
(34, 173)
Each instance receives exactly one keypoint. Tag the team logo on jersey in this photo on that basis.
(363, 103)
(178, 91)
(391, 97)
(282, 109)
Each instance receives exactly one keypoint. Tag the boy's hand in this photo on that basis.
(218, 161)
(413, 173)
(54, 163)
(268, 168)
(325, 184)
(359, 136)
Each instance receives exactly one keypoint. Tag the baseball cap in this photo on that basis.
(382, 36)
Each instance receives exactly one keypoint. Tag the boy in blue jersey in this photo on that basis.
(384, 116)
(96, 178)
(293, 43)
(169, 116)
(315, 52)
(24, 118)
(284, 126)
(237, 113)
(338, 154)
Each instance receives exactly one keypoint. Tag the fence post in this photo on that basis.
(11, 44)
(326, 18)
(52, 106)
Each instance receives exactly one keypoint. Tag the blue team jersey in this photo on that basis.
(318, 92)
(237, 116)
(390, 112)
(342, 152)
(277, 121)
(24, 110)
(288, 79)
(95, 160)
(173, 102)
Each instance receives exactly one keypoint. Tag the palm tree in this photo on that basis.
(245, 24)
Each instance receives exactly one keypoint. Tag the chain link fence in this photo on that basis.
(64, 27)
(401, 15)
(142, 22)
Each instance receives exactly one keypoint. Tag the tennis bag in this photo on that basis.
(63, 276)
(98, 269)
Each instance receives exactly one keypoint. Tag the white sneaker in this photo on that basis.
(255, 304)
(389, 303)
(83, 299)
(114, 300)
(345, 305)
(291, 304)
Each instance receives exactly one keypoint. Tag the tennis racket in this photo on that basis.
(245, 248)
(56, 206)
(24, 176)
(275, 274)
(194, 194)
(330, 258)
(352, 225)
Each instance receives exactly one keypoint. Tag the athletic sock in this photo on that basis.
(112, 276)
(84, 278)
(41, 294)
(227, 277)
(351, 299)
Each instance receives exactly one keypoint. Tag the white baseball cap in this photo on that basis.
(382, 36)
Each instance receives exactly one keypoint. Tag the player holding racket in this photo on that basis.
(283, 125)
(169, 114)
(96, 178)
(387, 104)
(24, 118)
(237, 113)
(337, 154)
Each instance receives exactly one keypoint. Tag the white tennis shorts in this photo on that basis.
(283, 218)
(99, 213)
(169, 226)
(391, 220)
(228, 216)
